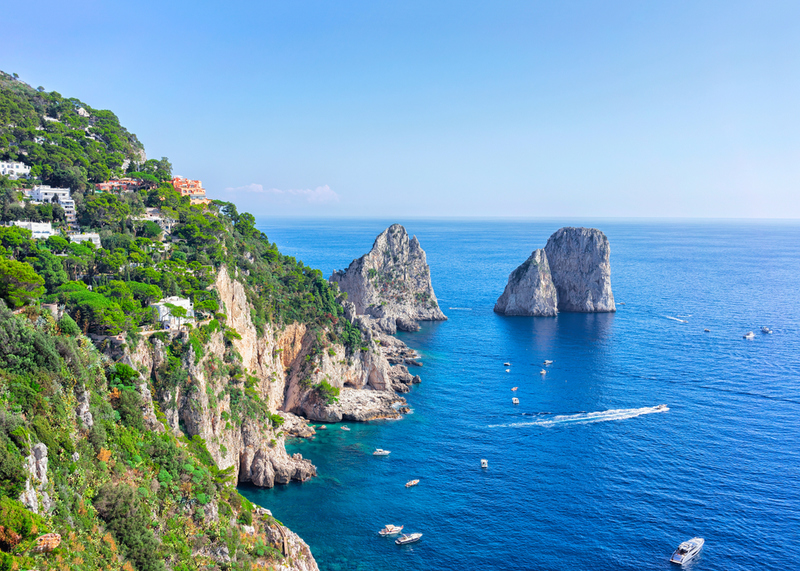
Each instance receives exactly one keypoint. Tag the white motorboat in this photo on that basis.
(381, 452)
(322, 427)
(687, 550)
(506, 364)
(749, 335)
(766, 330)
(412, 483)
(391, 529)
(408, 538)
(484, 463)
(515, 400)
(346, 428)
(662, 407)
(542, 372)
(547, 362)
(508, 370)
(514, 389)
(707, 330)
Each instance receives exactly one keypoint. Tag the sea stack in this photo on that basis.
(571, 274)
(579, 263)
(530, 289)
(392, 283)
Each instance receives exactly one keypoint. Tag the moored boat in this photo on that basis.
(506, 364)
(515, 400)
(381, 452)
(484, 463)
(766, 330)
(548, 362)
(322, 427)
(749, 335)
(408, 538)
(391, 529)
(412, 483)
(687, 550)
(346, 428)
(514, 388)
(542, 372)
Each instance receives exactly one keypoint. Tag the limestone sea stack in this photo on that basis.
(530, 289)
(571, 274)
(392, 283)
(579, 264)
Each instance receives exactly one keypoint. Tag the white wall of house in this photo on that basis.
(39, 230)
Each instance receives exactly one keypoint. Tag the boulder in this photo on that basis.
(581, 270)
(530, 289)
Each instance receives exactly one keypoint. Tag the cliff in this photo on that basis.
(392, 283)
(530, 289)
(572, 274)
(579, 263)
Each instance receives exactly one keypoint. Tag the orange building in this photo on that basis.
(191, 188)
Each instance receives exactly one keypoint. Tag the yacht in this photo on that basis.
(381, 452)
(391, 529)
(749, 335)
(766, 330)
(707, 330)
(412, 483)
(687, 550)
(506, 364)
(514, 388)
(515, 400)
(408, 538)
(547, 362)
(484, 463)
(346, 428)
(542, 372)
(322, 427)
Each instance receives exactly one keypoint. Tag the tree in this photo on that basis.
(19, 284)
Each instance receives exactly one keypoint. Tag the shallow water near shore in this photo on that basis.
(584, 473)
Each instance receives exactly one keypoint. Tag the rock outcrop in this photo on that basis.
(35, 496)
(579, 263)
(530, 289)
(392, 282)
(571, 274)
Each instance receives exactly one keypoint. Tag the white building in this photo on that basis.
(14, 169)
(61, 196)
(156, 216)
(92, 237)
(165, 316)
(39, 230)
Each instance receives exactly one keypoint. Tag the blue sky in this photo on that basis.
(562, 109)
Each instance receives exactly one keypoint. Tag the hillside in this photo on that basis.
(65, 141)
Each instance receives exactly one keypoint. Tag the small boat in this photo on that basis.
(662, 407)
(508, 370)
(506, 364)
(391, 529)
(412, 483)
(515, 400)
(408, 538)
(687, 550)
(542, 372)
(514, 388)
(322, 427)
(547, 362)
(484, 463)
(707, 330)
(766, 330)
(346, 428)
(381, 452)
(749, 335)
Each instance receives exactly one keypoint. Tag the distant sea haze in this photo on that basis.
(587, 471)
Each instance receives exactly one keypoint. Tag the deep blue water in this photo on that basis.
(567, 490)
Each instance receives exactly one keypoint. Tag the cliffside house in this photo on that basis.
(191, 188)
(60, 196)
(39, 230)
(156, 216)
(14, 170)
(92, 237)
(119, 185)
(174, 312)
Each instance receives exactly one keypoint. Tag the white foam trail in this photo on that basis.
(462, 308)
(676, 319)
(588, 417)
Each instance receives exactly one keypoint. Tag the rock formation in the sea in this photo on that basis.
(579, 264)
(392, 283)
(530, 289)
(572, 274)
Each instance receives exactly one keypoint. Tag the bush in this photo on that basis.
(67, 326)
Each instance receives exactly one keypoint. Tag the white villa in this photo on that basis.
(39, 230)
(165, 317)
(92, 237)
(61, 196)
(14, 169)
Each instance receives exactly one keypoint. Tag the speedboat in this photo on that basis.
(766, 330)
(381, 452)
(707, 330)
(408, 538)
(484, 463)
(508, 370)
(412, 483)
(514, 388)
(542, 372)
(506, 364)
(749, 335)
(322, 427)
(391, 529)
(662, 407)
(346, 428)
(515, 400)
(548, 362)
(687, 550)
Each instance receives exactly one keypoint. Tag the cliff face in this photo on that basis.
(579, 263)
(286, 367)
(530, 289)
(392, 283)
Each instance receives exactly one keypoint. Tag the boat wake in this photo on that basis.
(676, 319)
(461, 308)
(587, 417)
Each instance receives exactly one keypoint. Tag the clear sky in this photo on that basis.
(564, 109)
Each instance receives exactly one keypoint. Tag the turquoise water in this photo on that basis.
(570, 485)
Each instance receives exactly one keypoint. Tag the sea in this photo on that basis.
(585, 473)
